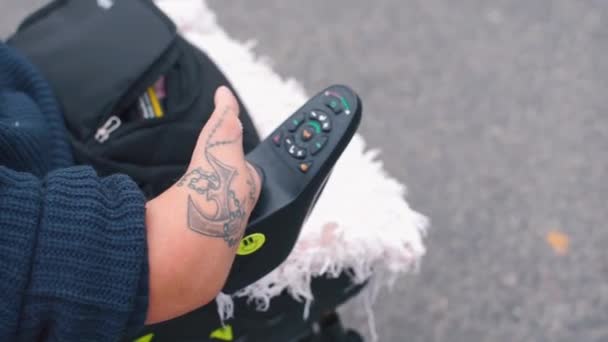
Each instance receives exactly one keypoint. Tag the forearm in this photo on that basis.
(196, 269)
(86, 265)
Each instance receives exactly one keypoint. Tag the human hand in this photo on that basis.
(194, 228)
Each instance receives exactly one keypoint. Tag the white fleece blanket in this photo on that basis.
(361, 222)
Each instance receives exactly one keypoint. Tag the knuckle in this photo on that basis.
(232, 126)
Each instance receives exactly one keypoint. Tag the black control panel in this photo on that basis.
(295, 162)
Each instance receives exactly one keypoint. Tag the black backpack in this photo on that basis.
(134, 93)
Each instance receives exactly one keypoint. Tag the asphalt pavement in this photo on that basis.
(495, 114)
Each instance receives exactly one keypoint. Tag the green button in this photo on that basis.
(316, 125)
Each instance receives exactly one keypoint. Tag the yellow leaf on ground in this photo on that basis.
(558, 241)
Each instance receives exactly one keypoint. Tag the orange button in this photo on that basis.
(304, 167)
(306, 134)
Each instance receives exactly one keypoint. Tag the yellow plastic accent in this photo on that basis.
(223, 333)
(145, 338)
(251, 243)
(158, 111)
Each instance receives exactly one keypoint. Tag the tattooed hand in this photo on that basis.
(195, 226)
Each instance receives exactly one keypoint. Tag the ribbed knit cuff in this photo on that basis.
(91, 260)
(20, 206)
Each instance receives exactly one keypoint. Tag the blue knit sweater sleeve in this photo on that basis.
(73, 261)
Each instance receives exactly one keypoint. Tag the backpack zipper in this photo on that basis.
(103, 132)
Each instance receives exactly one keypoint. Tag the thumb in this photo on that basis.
(225, 99)
(223, 131)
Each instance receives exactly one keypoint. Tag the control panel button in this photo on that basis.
(319, 120)
(276, 138)
(326, 126)
(295, 122)
(317, 115)
(300, 153)
(289, 141)
(305, 166)
(296, 151)
(314, 125)
(307, 133)
(318, 144)
(334, 104)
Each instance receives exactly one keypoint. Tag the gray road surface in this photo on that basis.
(495, 114)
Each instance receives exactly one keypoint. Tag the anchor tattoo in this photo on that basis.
(225, 217)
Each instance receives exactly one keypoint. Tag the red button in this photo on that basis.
(276, 139)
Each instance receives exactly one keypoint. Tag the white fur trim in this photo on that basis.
(361, 222)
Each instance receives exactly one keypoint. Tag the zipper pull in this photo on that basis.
(103, 133)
